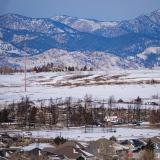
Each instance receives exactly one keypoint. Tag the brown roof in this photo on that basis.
(68, 151)
(72, 150)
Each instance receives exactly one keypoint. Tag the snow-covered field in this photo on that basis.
(126, 84)
(96, 133)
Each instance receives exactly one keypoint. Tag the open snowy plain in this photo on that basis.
(126, 84)
(79, 133)
(97, 133)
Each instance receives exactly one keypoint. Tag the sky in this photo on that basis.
(106, 10)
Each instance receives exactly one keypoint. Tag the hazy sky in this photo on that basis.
(97, 9)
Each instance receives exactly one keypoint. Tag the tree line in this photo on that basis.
(68, 112)
(49, 67)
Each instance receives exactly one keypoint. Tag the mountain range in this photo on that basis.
(72, 41)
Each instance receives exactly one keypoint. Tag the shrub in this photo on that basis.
(80, 158)
(59, 140)
(113, 138)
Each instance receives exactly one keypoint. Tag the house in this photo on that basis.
(40, 146)
(104, 148)
(5, 153)
(49, 152)
(2, 158)
(73, 150)
(157, 151)
(120, 151)
(5, 137)
(112, 120)
(156, 141)
(120, 148)
(135, 147)
(2, 145)
(8, 137)
(36, 150)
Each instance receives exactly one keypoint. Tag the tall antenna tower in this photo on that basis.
(25, 70)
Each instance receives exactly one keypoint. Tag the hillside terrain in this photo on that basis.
(66, 40)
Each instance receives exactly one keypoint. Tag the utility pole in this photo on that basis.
(25, 74)
(25, 71)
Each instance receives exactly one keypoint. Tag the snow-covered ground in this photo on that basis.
(126, 84)
(36, 145)
(96, 133)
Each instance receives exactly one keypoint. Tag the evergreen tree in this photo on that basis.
(4, 115)
(80, 158)
(150, 145)
(32, 115)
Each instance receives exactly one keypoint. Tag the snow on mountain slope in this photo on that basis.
(147, 52)
(149, 58)
(101, 28)
(41, 34)
(43, 25)
(148, 24)
(95, 60)
(155, 16)
(8, 49)
(84, 25)
(82, 41)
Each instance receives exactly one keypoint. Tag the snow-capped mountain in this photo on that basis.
(73, 41)
(84, 25)
(148, 24)
(41, 25)
(39, 35)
